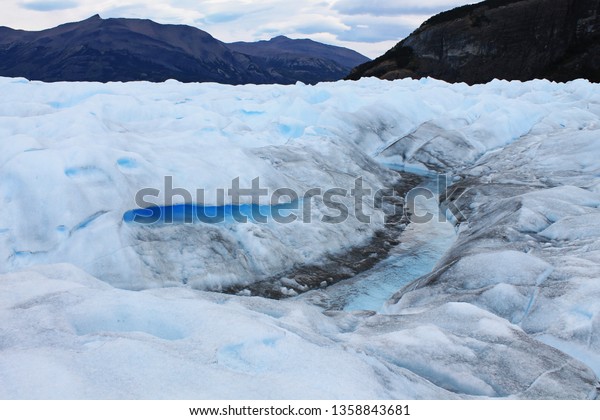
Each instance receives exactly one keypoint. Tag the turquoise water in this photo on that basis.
(422, 246)
(200, 213)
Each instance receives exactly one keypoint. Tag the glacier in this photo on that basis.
(500, 301)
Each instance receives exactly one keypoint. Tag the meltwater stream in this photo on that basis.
(422, 245)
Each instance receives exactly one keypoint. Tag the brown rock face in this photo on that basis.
(499, 39)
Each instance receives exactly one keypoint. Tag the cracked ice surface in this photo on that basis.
(73, 156)
(509, 311)
(529, 250)
(68, 335)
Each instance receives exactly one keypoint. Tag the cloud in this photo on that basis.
(47, 6)
(369, 29)
(377, 33)
(221, 17)
(394, 7)
(314, 24)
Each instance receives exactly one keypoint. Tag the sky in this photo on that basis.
(370, 27)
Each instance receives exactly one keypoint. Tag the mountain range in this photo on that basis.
(557, 40)
(106, 50)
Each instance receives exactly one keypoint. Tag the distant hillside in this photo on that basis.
(105, 50)
(290, 58)
(504, 39)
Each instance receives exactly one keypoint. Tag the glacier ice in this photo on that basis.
(509, 310)
(67, 335)
(528, 249)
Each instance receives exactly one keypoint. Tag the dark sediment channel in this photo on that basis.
(422, 245)
(336, 266)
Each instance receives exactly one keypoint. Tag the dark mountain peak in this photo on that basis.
(283, 47)
(282, 39)
(92, 20)
(499, 39)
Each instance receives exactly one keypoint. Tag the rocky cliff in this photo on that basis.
(505, 39)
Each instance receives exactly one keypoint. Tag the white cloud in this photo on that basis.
(369, 27)
(394, 7)
(46, 6)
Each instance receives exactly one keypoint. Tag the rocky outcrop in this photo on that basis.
(106, 50)
(499, 39)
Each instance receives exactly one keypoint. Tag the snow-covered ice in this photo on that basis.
(96, 307)
(68, 335)
(528, 247)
